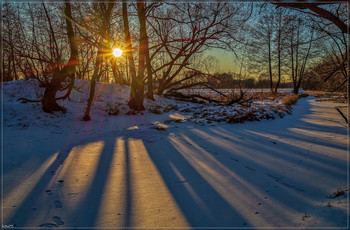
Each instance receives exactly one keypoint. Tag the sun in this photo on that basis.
(117, 52)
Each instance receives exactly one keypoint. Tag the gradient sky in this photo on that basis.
(226, 60)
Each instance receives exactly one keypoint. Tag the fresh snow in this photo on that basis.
(170, 167)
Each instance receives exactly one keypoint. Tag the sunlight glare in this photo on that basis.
(117, 52)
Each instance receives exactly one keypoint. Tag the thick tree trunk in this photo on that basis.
(161, 87)
(137, 84)
(49, 103)
(116, 73)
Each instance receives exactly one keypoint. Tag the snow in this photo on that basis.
(170, 167)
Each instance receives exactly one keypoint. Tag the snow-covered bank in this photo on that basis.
(112, 99)
(122, 171)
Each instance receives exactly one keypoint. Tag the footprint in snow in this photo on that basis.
(212, 152)
(48, 225)
(58, 204)
(251, 169)
(57, 220)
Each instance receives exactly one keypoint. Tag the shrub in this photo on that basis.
(241, 118)
(290, 99)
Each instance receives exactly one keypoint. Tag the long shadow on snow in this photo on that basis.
(86, 212)
(280, 187)
(200, 209)
(24, 210)
(199, 201)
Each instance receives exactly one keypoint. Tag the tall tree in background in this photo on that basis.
(262, 36)
(104, 12)
(280, 33)
(301, 40)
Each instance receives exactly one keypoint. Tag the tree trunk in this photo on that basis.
(116, 73)
(105, 35)
(292, 60)
(149, 73)
(137, 84)
(279, 49)
(270, 62)
(49, 103)
(149, 94)
(161, 87)
(296, 70)
(279, 69)
(93, 85)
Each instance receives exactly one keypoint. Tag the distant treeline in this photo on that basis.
(229, 80)
(314, 80)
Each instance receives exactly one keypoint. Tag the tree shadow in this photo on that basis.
(227, 176)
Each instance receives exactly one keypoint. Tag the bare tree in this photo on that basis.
(264, 34)
(184, 30)
(104, 11)
(49, 101)
(9, 69)
(137, 84)
(280, 34)
(300, 40)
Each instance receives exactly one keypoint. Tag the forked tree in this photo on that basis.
(49, 100)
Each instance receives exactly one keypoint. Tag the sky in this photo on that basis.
(226, 60)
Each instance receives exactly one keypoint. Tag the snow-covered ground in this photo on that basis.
(169, 168)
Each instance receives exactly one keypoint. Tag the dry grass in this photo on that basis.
(339, 192)
(289, 99)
